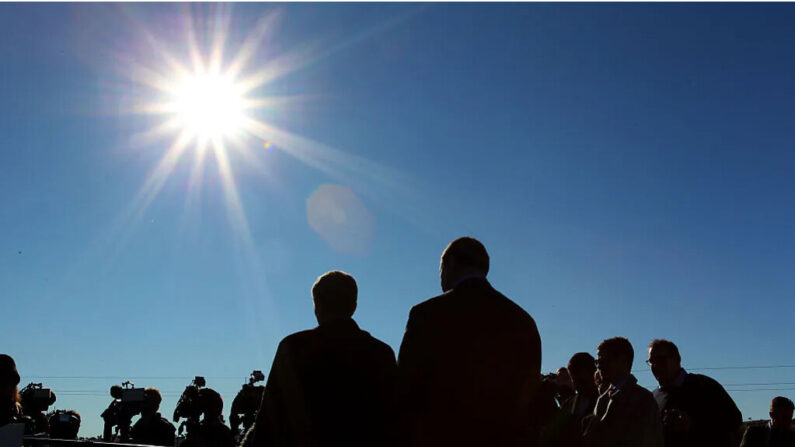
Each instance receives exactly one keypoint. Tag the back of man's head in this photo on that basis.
(212, 402)
(464, 256)
(152, 397)
(581, 369)
(334, 294)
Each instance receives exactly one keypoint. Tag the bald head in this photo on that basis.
(465, 256)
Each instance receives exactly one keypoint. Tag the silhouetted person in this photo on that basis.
(626, 415)
(601, 386)
(695, 409)
(566, 430)
(333, 385)
(10, 408)
(470, 360)
(152, 428)
(776, 433)
(211, 431)
(565, 385)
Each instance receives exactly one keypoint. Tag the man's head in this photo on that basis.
(212, 402)
(665, 361)
(9, 377)
(563, 378)
(781, 412)
(614, 359)
(581, 369)
(464, 256)
(334, 295)
(152, 399)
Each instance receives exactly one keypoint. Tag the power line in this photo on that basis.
(710, 368)
(241, 377)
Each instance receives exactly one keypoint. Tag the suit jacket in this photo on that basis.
(330, 386)
(715, 417)
(627, 417)
(763, 436)
(469, 364)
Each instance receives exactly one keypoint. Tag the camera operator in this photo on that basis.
(152, 428)
(10, 408)
(211, 431)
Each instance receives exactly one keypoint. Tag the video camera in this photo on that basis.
(35, 400)
(127, 402)
(190, 405)
(247, 402)
(64, 424)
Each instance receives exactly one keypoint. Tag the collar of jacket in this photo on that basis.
(339, 324)
(615, 389)
(469, 280)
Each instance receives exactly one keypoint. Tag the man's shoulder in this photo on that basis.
(298, 338)
(450, 299)
(756, 431)
(640, 393)
(165, 423)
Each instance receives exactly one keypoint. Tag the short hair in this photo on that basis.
(782, 403)
(667, 344)
(582, 361)
(213, 402)
(153, 394)
(468, 252)
(618, 346)
(336, 293)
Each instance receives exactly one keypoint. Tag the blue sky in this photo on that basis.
(628, 166)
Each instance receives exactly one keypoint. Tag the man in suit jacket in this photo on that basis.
(470, 360)
(626, 415)
(332, 385)
(778, 432)
(695, 409)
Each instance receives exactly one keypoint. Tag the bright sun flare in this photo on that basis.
(209, 106)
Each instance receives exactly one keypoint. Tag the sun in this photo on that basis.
(209, 106)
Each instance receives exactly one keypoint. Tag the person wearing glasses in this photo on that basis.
(695, 409)
(626, 415)
(776, 433)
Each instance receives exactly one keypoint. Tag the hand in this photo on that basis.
(677, 420)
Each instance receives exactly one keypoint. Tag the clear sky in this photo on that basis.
(629, 167)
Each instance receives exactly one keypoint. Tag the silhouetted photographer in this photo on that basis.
(332, 385)
(152, 428)
(211, 431)
(35, 400)
(127, 401)
(246, 404)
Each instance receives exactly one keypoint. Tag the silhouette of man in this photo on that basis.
(470, 360)
(776, 433)
(566, 430)
(333, 385)
(696, 410)
(151, 428)
(211, 431)
(10, 408)
(626, 415)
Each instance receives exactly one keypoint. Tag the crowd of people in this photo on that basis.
(468, 373)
